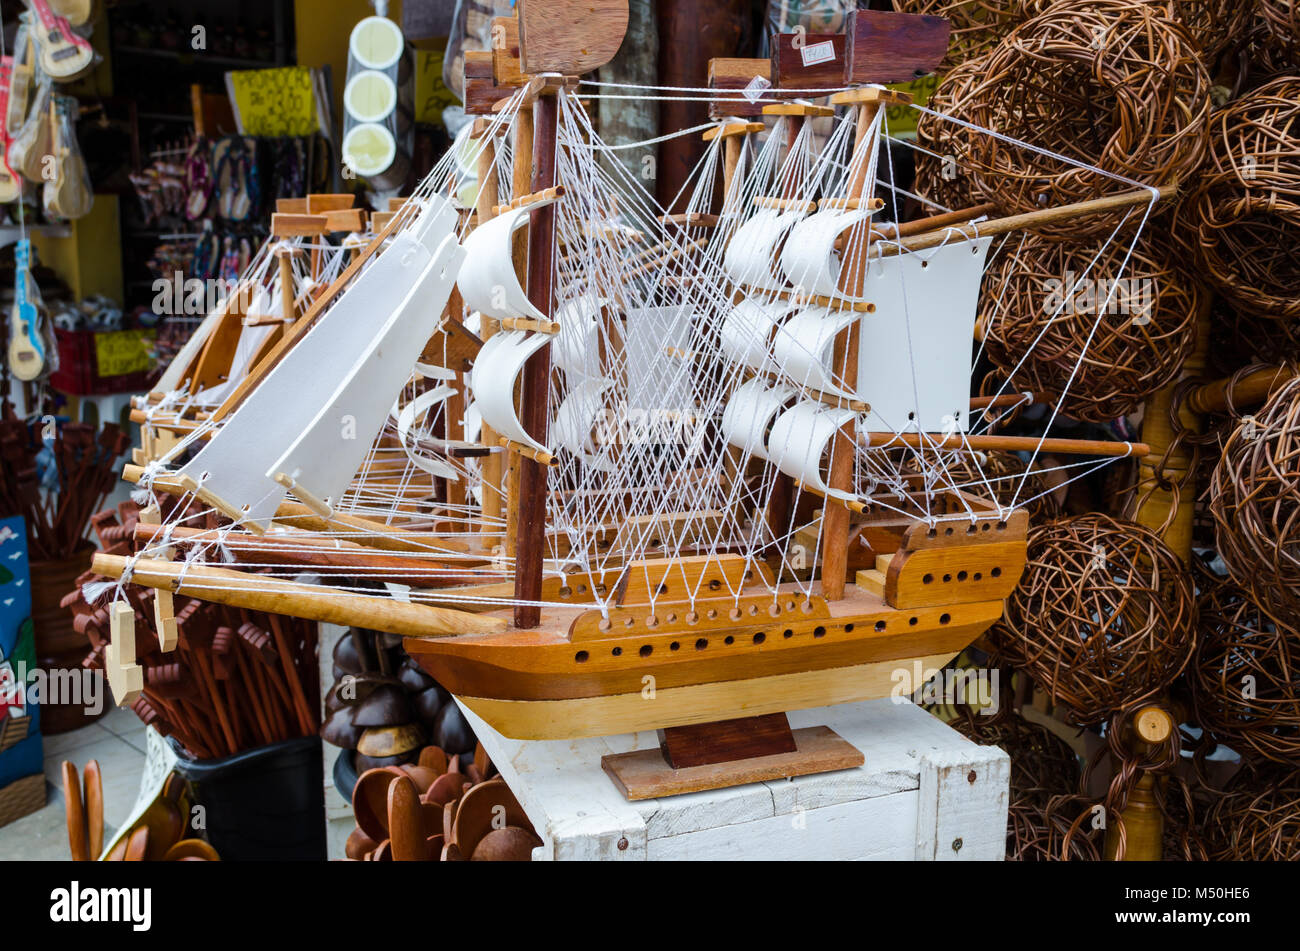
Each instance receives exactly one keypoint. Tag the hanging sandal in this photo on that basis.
(198, 181)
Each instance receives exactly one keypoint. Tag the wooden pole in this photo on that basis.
(1082, 447)
(531, 516)
(521, 180)
(835, 518)
(272, 595)
(493, 499)
(1027, 221)
(1251, 390)
(1143, 822)
(286, 284)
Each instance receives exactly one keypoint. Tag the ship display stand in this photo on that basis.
(925, 793)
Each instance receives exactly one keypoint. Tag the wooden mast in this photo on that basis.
(536, 380)
(556, 39)
(835, 517)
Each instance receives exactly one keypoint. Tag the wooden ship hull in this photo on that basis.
(675, 663)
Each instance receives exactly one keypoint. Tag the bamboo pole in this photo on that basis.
(1026, 221)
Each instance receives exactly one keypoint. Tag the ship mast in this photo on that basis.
(531, 514)
(557, 38)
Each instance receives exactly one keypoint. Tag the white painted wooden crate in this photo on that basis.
(924, 792)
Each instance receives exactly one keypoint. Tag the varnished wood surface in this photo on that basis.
(643, 774)
(887, 47)
(628, 713)
(704, 744)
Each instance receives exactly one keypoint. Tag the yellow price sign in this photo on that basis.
(902, 119)
(123, 351)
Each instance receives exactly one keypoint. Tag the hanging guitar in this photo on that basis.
(65, 54)
(27, 359)
(67, 193)
(11, 186)
(76, 12)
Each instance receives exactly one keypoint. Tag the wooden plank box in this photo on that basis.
(924, 793)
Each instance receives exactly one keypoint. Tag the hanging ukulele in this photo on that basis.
(11, 186)
(76, 12)
(67, 192)
(26, 343)
(65, 55)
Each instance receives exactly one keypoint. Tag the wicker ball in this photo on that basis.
(1281, 19)
(1237, 340)
(1245, 678)
(1255, 502)
(1113, 84)
(1214, 25)
(1104, 617)
(1259, 818)
(1057, 830)
(1245, 211)
(1040, 307)
(943, 171)
(977, 25)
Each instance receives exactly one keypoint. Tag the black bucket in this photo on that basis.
(263, 804)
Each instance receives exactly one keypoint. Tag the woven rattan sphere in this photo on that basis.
(977, 25)
(1213, 25)
(1255, 502)
(1110, 83)
(1246, 676)
(1104, 616)
(1259, 818)
(1237, 340)
(1245, 211)
(1039, 832)
(1281, 18)
(943, 172)
(1127, 326)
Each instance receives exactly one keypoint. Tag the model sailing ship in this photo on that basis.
(611, 469)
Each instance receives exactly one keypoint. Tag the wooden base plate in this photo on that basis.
(645, 774)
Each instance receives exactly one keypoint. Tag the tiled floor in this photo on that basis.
(117, 741)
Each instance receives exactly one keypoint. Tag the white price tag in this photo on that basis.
(818, 53)
(757, 86)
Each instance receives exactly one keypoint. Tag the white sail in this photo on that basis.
(330, 450)
(234, 463)
(575, 418)
(488, 281)
(914, 363)
(799, 440)
(577, 346)
(406, 418)
(749, 414)
(747, 330)
(809, 259)
(496, 370)
(804, 348)
(751, 253)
